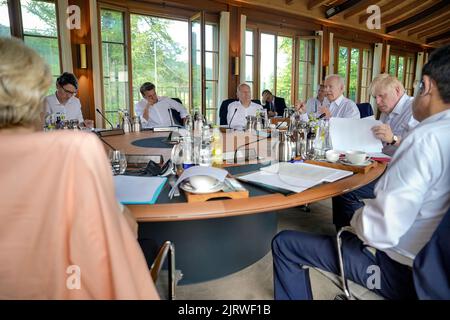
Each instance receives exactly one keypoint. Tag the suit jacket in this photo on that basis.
(279, 105)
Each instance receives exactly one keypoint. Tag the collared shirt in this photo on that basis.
(344, 108)
(159, 113)
(238, 120)
(313, 104)
(400, 120)
(71, 110)
(413, 195)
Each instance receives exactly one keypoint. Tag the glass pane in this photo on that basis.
(48, 48)
(267, 67)
(284, 68)
(159, 54)
(343, 62)
(112, 26)
(302, 92)
(354, 68)
(5, 29)
(248, 68)
(39, 18)
(211, 94)
(302, 51)
(401, 68)
(393, 65)
(115, 80)
(249, 42)
(196, 66)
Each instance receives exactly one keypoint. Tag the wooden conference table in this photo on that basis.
(219, 237)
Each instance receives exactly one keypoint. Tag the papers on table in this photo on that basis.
(295, 177)
(354, 134)
(216, 173)
(138, 190)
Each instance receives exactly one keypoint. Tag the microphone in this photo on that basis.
(103, 116)
(322, 116)
(231, 120)
(244, 145)
(112, 148)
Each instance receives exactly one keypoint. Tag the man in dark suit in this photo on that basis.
(274, 105)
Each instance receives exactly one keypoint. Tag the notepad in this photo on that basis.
(138, 190)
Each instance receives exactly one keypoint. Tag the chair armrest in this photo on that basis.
(166, 250)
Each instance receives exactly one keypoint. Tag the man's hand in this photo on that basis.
(326, 110)
(383, 132)
(271, 113)
(300, 106)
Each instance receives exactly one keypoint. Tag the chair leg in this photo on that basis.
(348, 294)
(171, 272)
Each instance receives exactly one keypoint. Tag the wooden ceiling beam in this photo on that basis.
(405, 10)
(439, 37)
(436, 30)
(337, 9)
(315, 3)
(430, 24)
(437, 9)
(383, 9)
(362, 6)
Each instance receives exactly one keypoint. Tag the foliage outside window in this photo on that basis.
(307, 69)
(40, 32)
(5, 25)
(402, 66)
(284, 68)
(249, 61)
(212, 70)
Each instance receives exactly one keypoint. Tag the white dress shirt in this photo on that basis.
(413, 195)
(71, 110)
(344, 108)
(400, 120)
(159, 112)
(312, 105)
(239, 120)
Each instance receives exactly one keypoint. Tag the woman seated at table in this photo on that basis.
(62, 233)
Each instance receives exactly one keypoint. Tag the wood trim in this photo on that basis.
(436, 30)
(444, 19)
(439, 37)
(407, 10)
(315, 3)
(359, 7)
(384, 9)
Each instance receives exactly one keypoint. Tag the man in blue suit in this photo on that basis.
(274, 105)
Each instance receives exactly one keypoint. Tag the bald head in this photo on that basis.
(334, 87)
(244, 94)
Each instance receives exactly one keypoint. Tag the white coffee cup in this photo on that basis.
(332, 155)
(202, 183)
(356, 157)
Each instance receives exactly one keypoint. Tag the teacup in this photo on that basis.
(202, 183)
(332, 155)
(356, 157)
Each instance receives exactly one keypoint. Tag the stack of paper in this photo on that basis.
(138, 190)
(295, 177)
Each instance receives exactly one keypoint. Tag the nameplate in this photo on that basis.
(113, 132)
(165, 129)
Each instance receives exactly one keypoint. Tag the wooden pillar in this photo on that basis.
(85, 76)
(235, 49)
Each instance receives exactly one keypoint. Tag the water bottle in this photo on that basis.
(136, 124)
(187, 151)
(126, 123)
(217, 145)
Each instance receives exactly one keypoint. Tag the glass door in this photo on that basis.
(197, 62)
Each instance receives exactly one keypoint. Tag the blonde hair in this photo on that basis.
(385, 81)
(24, 81)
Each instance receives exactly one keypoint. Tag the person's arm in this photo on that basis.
(179, 107)
(399, 195)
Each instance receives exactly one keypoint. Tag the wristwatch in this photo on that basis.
(394, 140)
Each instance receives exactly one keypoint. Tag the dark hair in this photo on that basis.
(266, 91)
(67, 78)
(438, 69)
(147, 86)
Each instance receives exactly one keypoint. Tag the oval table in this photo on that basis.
(221, 236)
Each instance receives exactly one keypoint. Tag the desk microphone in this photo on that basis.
(322, 116)
(112, 127)
(112, 148)
(244, 145)
(231, 120)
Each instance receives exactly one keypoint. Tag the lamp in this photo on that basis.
(236, 66)
(83, 59)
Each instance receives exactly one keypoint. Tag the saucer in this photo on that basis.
(362, 164)
(186, 186)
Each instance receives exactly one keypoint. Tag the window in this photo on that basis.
(159, 54)
(401, 65)
(284, 68)
(114, 61)
(5, 26)
(40, 32)
(212, 70)
(249, 61)
(267, 64)
(308, 70)
(354, 64)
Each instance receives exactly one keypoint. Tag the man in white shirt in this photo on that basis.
(155, 111)
(238, 110)
(411, 200)
(64, 103)
(314, 104)
(396, 115)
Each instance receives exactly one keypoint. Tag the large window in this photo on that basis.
(5, 26)
(114, 61)
(308, 70)
(249, 61)
(159, 52)
(354, 64)
(40, 32)
(284, 68)
(401, 65)
(267, 64)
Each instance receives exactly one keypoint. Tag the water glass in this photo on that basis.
(118, 161)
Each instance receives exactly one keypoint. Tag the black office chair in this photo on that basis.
(365, 109)
(223, 110)
(175, 114)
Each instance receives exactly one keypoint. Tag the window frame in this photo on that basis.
(406, 56)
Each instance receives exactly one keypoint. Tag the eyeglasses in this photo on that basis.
(69, 92)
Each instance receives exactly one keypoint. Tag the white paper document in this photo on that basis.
(295, 177)
(138, 190)
(354, 134)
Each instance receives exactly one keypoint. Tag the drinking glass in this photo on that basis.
(118, 161)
